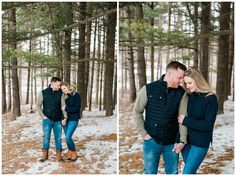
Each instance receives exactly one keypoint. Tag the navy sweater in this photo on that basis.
(202, 111)
(73, 106)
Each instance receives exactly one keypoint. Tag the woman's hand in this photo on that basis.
(63, 122)
(181, 118)
(63, 108)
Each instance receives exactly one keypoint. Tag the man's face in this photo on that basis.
(176, 77)
(56, 85)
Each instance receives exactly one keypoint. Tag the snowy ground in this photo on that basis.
(219, 160)
(95, 140)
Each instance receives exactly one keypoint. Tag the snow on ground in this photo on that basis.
(95, 140)
(220, 157)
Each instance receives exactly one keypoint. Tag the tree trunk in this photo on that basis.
(4, 103)
(98, 63)
(28, 76)
(195, 62)
(140, 42)
(104, 65)
(15, 81)
(115, 87)
(132, 96)
(205, 22)
(231, 54)
(152, 45)
(67, 45)
(92, 70)
(81, 65)
(110, 54)
(223, 55)
(9, 107)
(169, 24)
(87, 48)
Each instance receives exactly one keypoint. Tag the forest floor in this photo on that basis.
(220, 157)
(95, 140)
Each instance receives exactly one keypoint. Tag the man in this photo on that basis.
(50, 99)
(160, 100)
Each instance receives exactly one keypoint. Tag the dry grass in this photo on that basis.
(214, 167)
(15, 156)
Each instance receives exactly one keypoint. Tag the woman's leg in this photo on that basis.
(71, 127)
(195, 157)
(185, 152)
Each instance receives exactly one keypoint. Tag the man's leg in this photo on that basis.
(151, 155)
(195, 157)
(57, 130)
(170, 160)
(47, 128)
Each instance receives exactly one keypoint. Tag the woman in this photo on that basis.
(70, 123)
(201, 114)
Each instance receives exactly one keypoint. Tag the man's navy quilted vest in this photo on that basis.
(52, 104)
(161, 121)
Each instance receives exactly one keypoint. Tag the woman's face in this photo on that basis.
(190, 84)
(65, 89)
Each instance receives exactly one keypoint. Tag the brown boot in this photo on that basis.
(74, 156)
(68, 155)
(45, 155)
(58, 156)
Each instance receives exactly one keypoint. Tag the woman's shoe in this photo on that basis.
(74, 156)
(69, 155)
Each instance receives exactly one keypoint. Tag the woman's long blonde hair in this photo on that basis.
(201, 83)
(72, 87)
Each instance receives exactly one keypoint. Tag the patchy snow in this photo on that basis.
(220, 158)
(95, 140)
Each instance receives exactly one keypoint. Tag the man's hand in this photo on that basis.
(178, 147)
(147, 137)
(63, 122)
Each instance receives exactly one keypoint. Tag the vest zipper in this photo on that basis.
(162, 119)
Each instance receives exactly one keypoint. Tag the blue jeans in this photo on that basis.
(193, 157)
(48, 125)
(152, 152)
(69, 130)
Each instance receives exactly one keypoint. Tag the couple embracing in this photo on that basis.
(59, 107)
(176, 120)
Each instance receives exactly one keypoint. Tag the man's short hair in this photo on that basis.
(176, 65)
(55, 79)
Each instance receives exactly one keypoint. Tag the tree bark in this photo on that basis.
(15, 81)
(92, 70)
(231, 53)
(81, 65)
(87, 48)
(140, 42)
(205, 22)
(110, 54)
(67, 45)
(223, 55)
(4, 103)
(132, 96)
